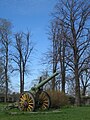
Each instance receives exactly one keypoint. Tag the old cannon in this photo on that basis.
(36, 97)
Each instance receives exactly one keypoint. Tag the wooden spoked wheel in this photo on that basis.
(44, 100)
(26, 102)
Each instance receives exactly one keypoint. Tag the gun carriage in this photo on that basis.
(36, 97)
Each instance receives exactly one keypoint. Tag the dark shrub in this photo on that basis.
(58, 99)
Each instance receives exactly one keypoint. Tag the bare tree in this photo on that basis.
(56, 55)
(22, 56)
(62, 54)
(52, 55)
(5, 33)
(74, 15)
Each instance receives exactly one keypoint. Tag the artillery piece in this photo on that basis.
(36, 97)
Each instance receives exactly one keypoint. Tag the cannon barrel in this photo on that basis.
(45, 81)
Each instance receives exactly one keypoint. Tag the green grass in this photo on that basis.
(73, 113)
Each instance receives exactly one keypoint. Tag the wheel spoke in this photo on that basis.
(27, 102)
(44, 100)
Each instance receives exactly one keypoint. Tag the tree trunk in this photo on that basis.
(84, 91)
(63, 81)
(23, 77)
(6, 73)
(6, 82)
(21, 82)
(53, 80)
(77, 82)
(63, 76)
(63, 68)
(77, 88)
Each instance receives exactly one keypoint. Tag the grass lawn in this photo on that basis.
(74, 113)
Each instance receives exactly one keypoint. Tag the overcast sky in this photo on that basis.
(33, 15)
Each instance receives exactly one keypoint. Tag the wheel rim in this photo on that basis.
(26, 102)
(44, 100)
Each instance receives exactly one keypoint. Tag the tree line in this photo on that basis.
(15, 51)
(69, 33)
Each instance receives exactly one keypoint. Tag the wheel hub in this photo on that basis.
(25, 104)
